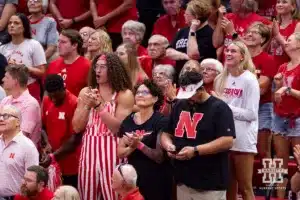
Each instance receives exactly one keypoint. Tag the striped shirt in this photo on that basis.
(15, 158)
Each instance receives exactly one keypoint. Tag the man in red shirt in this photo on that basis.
(124, 182)
(71, 13)
(113, 14)
(168, 25)
(34, 185)
(157, 54)
(71, 66)
(58, 110)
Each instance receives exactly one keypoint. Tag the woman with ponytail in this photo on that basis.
(237, 85)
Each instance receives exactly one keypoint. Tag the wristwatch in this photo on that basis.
(192, 34)
(235, 36)
(288, 90)
(196, 152)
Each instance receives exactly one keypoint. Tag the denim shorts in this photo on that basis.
(281, 125)
(265, 115)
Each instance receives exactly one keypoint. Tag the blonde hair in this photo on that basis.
(105, 43)
(67, 193)
(295, 13)
(246, 64)
(201, 9)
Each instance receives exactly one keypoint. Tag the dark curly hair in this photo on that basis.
(116, 73)
(154, 91)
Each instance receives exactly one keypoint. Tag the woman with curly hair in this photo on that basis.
(139, 143)
(128, 55)
(99, 42)
(100, 110)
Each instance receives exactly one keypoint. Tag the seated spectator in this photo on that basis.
(233, 26)
(210, 69)
(124, 182)
(133, 32)
(191, 66)
(71, 14)
(193, 42)
(168, 25)
(288, 24)
(128, 55)
(71, 62)
(66, 193)
(43, 28)
(58, 110)
(163, 76)
(256, 37)
(157, 54)
(85, 33)
(7, 9)
(112, 14)
(18, 152)
(34, 185)
(19, 48)
(15, 83)
(99, 42)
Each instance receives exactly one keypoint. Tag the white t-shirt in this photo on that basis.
(30, 53)
(242, 95)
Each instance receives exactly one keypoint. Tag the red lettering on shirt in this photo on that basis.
(12, 155)
(233, 92)
(187, 124)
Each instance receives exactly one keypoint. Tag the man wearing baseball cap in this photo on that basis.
(198, 137)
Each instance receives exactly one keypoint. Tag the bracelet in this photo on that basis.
(140, 146)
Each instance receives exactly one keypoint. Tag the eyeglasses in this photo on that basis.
(208, 69)
(253, 32)
(6, 116)
(99, 67)
(142, 92)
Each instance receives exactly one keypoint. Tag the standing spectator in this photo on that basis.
(99, 42)
(85, 33)
(288, 15)
(195, 41)
(71, 62)
(163, 76)
(128, 55)
(101, 108)
(140, 133)
(19, 48)
(238, 87)
(34, 185)
(210, 69)
(267, 8)
(58, 110)
(168, 25)
(199, 134)
(256, 37)
(157, 46)
(7, 9)
(66, 193)
(133, 31)
(17, 152)
(214, 15)
(233, 26)
(43, 28)
(71, 14)
(286, 120)
(124, 182)
(112, 15)
(15, 83)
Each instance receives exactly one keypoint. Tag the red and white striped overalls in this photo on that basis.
(98, 157)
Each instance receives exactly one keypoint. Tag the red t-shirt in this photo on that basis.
(289, 105)
(58, 125)
(267, 8)
(74, 8)
(142, 51)
(277, 50)
(147, 63)
(75, 75)
(134, 195)
(115, 25)
(163, 26)
(265, 66)
(45, 194)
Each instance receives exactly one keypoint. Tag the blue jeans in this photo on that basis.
(281, 125)
(265, 115)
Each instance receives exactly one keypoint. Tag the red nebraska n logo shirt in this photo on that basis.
(188, 124)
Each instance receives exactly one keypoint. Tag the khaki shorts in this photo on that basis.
(187, 193)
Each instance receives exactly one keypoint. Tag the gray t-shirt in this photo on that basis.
(45, 31)
(3, 2)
